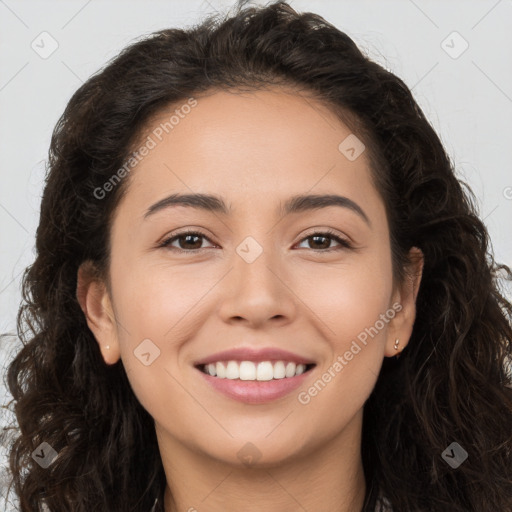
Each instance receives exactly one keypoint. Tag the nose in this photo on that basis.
(257, 290)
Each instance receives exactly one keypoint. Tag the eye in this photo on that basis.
(187, 239)
(324, 239)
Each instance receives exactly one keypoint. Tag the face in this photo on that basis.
(280, 284)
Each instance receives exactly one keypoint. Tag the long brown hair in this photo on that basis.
(449, 385)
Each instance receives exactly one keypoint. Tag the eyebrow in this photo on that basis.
(295, 204)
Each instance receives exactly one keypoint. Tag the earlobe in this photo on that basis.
(94, 300)
(402, 324)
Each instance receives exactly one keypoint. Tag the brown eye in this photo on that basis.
(322, 241)
(188, 241)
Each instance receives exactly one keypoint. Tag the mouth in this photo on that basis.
(254, 376)
(255, 382)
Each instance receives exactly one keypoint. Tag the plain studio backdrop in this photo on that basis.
(455, 56)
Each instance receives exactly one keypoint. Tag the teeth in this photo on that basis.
(247, 370)
(264, 371)
(232, 370)
(279, 370)
(218, 369)
(290, 370)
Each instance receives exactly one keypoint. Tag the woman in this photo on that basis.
(333, 338)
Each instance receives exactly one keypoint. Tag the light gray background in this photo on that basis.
(468, 99)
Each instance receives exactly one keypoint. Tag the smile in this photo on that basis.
(254, 375)
(254, 371)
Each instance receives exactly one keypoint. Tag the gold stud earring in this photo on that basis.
(395, 346)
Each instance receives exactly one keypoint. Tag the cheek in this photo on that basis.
(158, 307)
(152, 306)
(347, 298)
(154, 300)
(357, 310)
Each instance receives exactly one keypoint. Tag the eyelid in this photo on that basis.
(325, 231)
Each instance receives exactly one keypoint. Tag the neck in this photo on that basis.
(329, 477)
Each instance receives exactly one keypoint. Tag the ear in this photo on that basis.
(401, 326)
(94, 299)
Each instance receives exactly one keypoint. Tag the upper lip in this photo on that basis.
(255, 355)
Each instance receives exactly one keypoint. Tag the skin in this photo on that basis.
(255, 150)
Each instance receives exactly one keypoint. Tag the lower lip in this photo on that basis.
(254, 391)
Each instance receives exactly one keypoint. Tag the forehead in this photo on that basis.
(251, 146)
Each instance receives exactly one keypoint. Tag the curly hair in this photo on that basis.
(450, 384)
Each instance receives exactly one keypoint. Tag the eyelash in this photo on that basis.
(326, 234)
